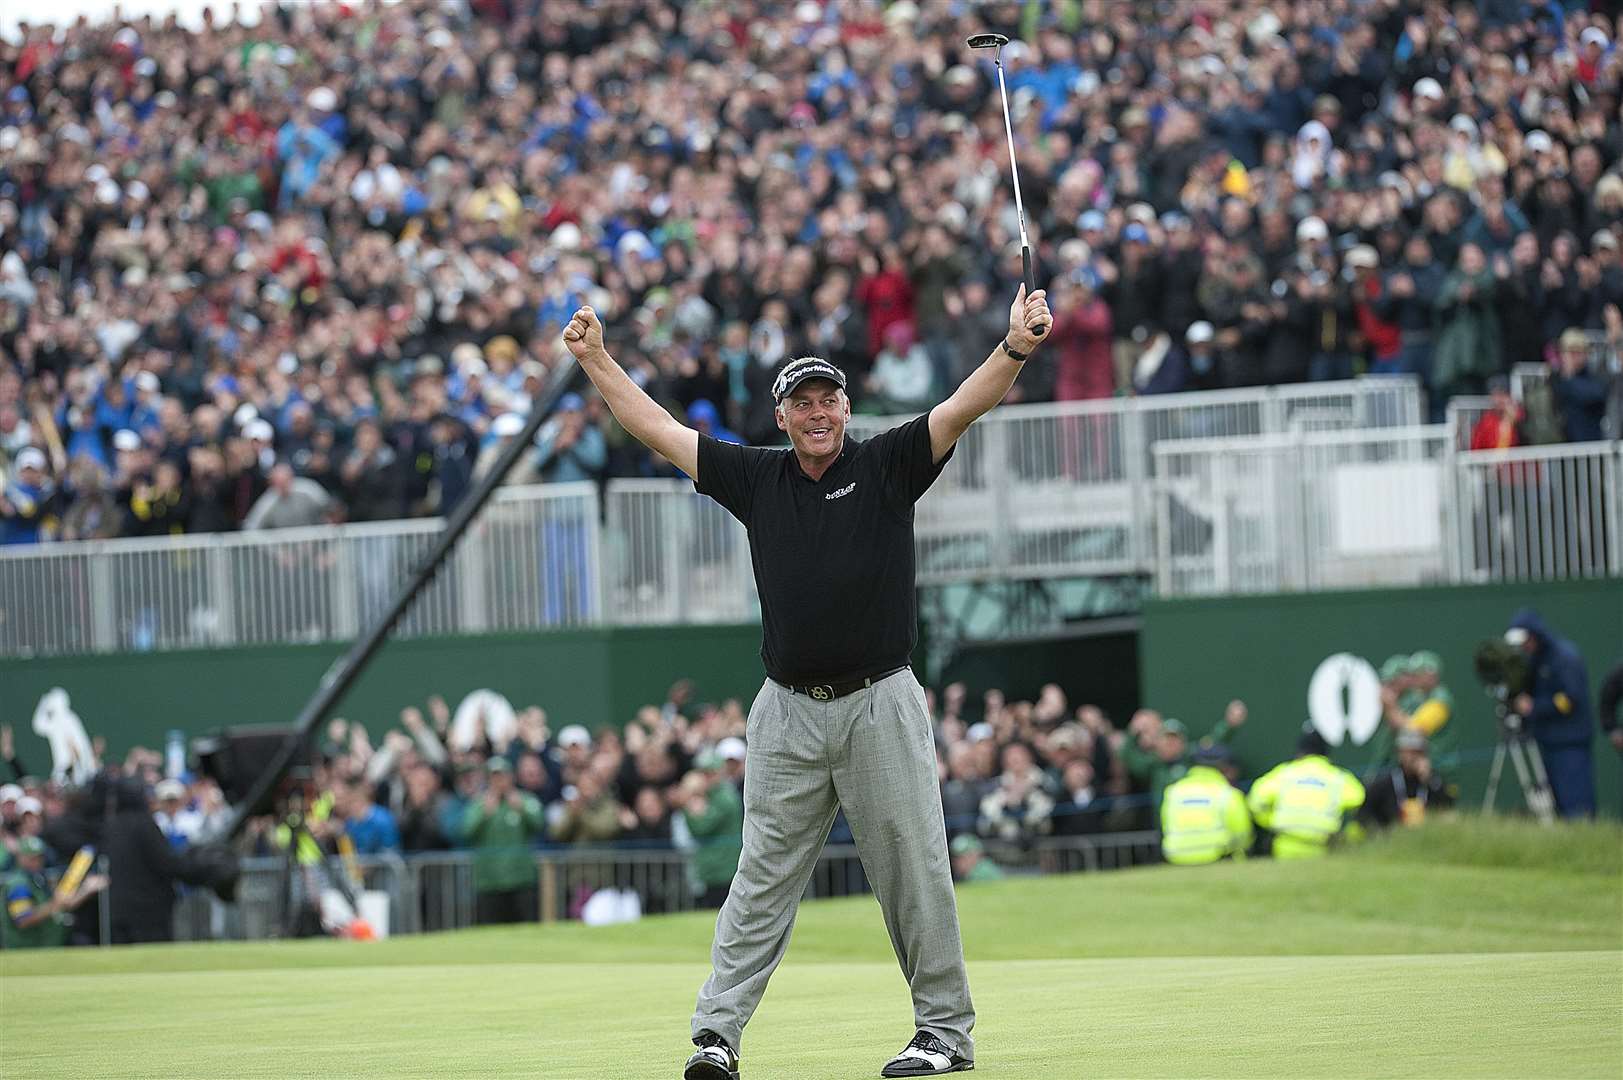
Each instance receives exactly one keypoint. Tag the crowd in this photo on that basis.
(314, 269)
(503, 785)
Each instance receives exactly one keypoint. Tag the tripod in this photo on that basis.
(1518, 745)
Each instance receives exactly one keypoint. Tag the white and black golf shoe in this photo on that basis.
(926, 1055)
(714, 1060)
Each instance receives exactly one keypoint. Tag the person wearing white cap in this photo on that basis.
(1592, 48)
(502, 431)
(1312, 230)
(1428, 95)
(25, 498)
(733, 753)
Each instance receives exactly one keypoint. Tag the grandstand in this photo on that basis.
(1336, 378)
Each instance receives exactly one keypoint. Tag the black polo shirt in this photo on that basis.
(833, 557)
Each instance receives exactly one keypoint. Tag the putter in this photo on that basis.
(996, 42)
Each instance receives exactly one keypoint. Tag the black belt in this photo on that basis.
(830, 691)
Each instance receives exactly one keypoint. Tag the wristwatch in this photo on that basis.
(1017, 357)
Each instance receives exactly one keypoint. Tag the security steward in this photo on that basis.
(1304, 801)
(840, 720)
(35, 918)
(1203, 818)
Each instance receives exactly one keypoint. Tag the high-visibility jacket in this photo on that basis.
(1303, 802)
(1203, 819)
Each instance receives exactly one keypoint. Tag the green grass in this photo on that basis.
(1476, 949)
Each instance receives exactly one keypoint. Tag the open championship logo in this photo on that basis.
(1344, 699)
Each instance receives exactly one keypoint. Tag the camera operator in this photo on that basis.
(1555, 705)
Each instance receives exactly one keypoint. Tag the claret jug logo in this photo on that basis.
(1344, 699)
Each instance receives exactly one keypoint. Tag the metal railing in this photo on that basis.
(1063, 489)
(435, 891)
(675, 556)
(1321, 510)
(1539, 513)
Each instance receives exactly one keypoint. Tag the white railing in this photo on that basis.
(1539, 513)
(674, 556)
(530, 561)
(1344, 509)
(1320, 486)
(1063, 489)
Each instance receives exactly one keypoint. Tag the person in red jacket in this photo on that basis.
(1082, 333)
(1500, 428)
(885, 293)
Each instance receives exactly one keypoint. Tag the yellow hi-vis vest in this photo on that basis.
(1203, 819)
(1303, 802)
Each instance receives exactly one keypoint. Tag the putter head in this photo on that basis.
(986, 41)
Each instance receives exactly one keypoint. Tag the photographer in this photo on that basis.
(1555, 704)
(1403, 794)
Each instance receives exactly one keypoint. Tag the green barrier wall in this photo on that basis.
(593, 677)
(1197, 654)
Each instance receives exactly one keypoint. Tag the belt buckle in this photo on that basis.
(822, 692)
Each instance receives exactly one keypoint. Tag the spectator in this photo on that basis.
(970, 863)
(1155, 752)
(423, 813)
(291, 502)
(1580, 393)
(714, 816)
(567, 447)
(24, 499)
(500, 825)
(1017, 810)
(1082, 333)
(589, 814)
(1404, 793)
(1423, 706)
(370, 827)
(903, 378)
(1556, 708)
(1500, 427)
(34, 917)
(1468, 342)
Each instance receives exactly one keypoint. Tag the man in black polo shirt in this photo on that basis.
(840, 719)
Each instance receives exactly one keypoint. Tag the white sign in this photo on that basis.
(72, 759)
(1344, 699)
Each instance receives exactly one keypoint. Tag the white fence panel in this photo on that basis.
(674, 556)
(1540, 513)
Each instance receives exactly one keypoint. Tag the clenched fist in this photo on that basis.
(584, 334)
(1029, 320)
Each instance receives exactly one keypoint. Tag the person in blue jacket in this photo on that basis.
(1556, 707)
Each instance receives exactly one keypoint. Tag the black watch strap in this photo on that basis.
(1018, 357)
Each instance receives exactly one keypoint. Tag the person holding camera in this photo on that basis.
(1555, 705)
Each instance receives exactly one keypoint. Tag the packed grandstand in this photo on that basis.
(314, 269)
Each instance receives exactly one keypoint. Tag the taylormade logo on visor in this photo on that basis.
(798, 371)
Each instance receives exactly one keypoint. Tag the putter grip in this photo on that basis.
(1031, 286)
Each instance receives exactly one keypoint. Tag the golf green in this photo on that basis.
(1474, 949)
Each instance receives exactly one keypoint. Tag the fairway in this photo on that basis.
(1389, 961)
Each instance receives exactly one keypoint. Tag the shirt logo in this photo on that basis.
(842, 492)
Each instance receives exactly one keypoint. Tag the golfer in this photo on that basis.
(840, 719)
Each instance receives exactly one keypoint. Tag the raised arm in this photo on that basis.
(987, 384)
(638, 413)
